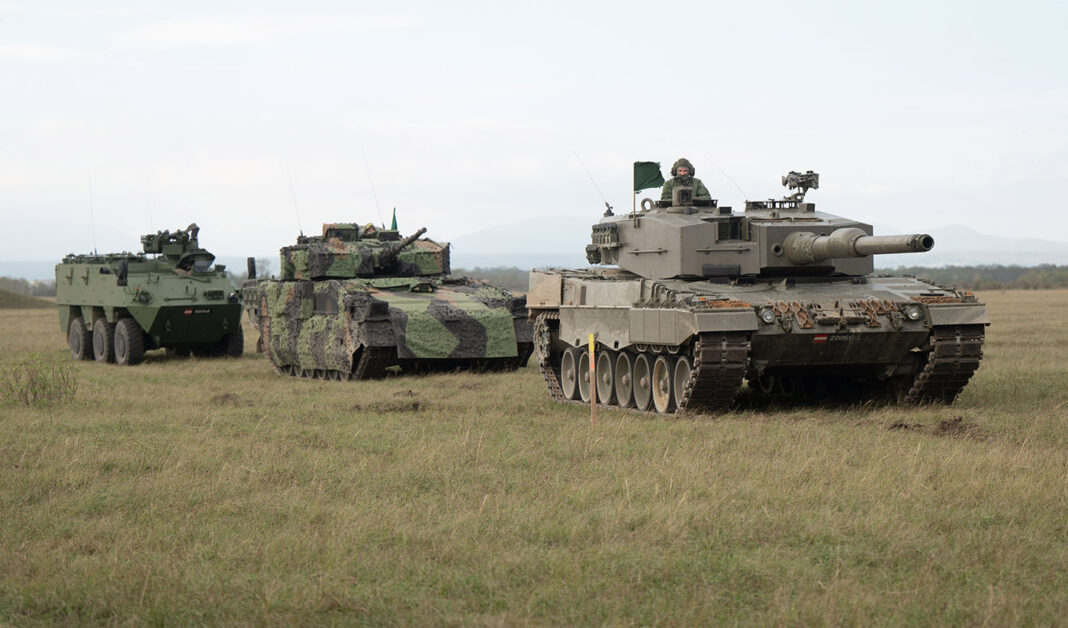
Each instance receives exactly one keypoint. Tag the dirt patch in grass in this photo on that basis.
(957, 427)
(402, 401)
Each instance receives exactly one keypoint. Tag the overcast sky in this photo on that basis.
(474, 115)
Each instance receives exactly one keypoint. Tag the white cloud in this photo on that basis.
(11, 8)
(39, 52)
(252, 29)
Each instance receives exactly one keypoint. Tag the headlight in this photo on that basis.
(767, 315)
(913, 313)
(233, 297)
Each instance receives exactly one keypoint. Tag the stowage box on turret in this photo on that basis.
(114, 307)
(780, 297)
(355, 301)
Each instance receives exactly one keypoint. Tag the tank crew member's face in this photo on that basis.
(682, 171)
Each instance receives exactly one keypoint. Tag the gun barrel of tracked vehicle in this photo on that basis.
(387, 257)
(804, 247)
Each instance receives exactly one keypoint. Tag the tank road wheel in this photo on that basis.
(235, 342)
(582, 360)
(624, 380)
(605, 377)
(643, 382)
(334, 376)
(103, 341)
(129, 343)
(663, 398)
(79, 339)
(682, 377)
(569, 373)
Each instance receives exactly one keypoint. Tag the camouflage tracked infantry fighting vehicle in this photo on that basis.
(779, 297)
(355, 301)
(115, 307)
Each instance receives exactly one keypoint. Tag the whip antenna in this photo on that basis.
(367, 167)
(148, 185)
(92, 220)
(597, 187)
(293, 195)
(724, 173)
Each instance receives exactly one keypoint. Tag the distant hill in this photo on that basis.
(12, 301)
(560, 241)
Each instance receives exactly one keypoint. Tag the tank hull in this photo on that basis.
(773, 337)
(357, 328)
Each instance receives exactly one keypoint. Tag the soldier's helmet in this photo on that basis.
(685, 163)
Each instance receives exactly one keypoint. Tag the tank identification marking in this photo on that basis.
(823, 338)
(189, 311)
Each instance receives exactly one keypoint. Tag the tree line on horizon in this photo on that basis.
(983, 277)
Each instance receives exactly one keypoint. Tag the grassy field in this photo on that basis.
(214, 491)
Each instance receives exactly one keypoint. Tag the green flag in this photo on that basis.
(394, 227)
(647, 175)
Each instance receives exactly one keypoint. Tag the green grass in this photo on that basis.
(213, 491)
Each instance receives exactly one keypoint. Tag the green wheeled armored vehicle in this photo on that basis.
(114, 307)
(777, 301)
(357, 300)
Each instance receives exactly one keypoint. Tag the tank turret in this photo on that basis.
(346, 251)
(691, 238)
(388, 255)
(180, 248)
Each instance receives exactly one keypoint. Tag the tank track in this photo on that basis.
(373, 362)
(371, 365)
(954, 356)
(720, 362)
(542, 349)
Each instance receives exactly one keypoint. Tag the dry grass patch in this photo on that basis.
(214, 491)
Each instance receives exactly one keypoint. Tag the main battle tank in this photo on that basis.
(114, 307)
(353, 302)
(779, 297)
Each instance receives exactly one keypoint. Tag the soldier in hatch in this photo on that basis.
(682, 176)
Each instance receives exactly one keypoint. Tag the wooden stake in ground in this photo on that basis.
(593, 386)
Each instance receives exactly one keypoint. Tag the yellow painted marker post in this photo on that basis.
(593, 385)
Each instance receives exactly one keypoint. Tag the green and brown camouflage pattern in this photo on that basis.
(346, 250)
(354, 289)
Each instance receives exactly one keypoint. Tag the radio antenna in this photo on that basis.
(92, 219)
(597, 187)
(367, 167)
(724, 173)
(148, 186)
(293, 195)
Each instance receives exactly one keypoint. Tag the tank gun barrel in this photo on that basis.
(803, 247)
(388, 255)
